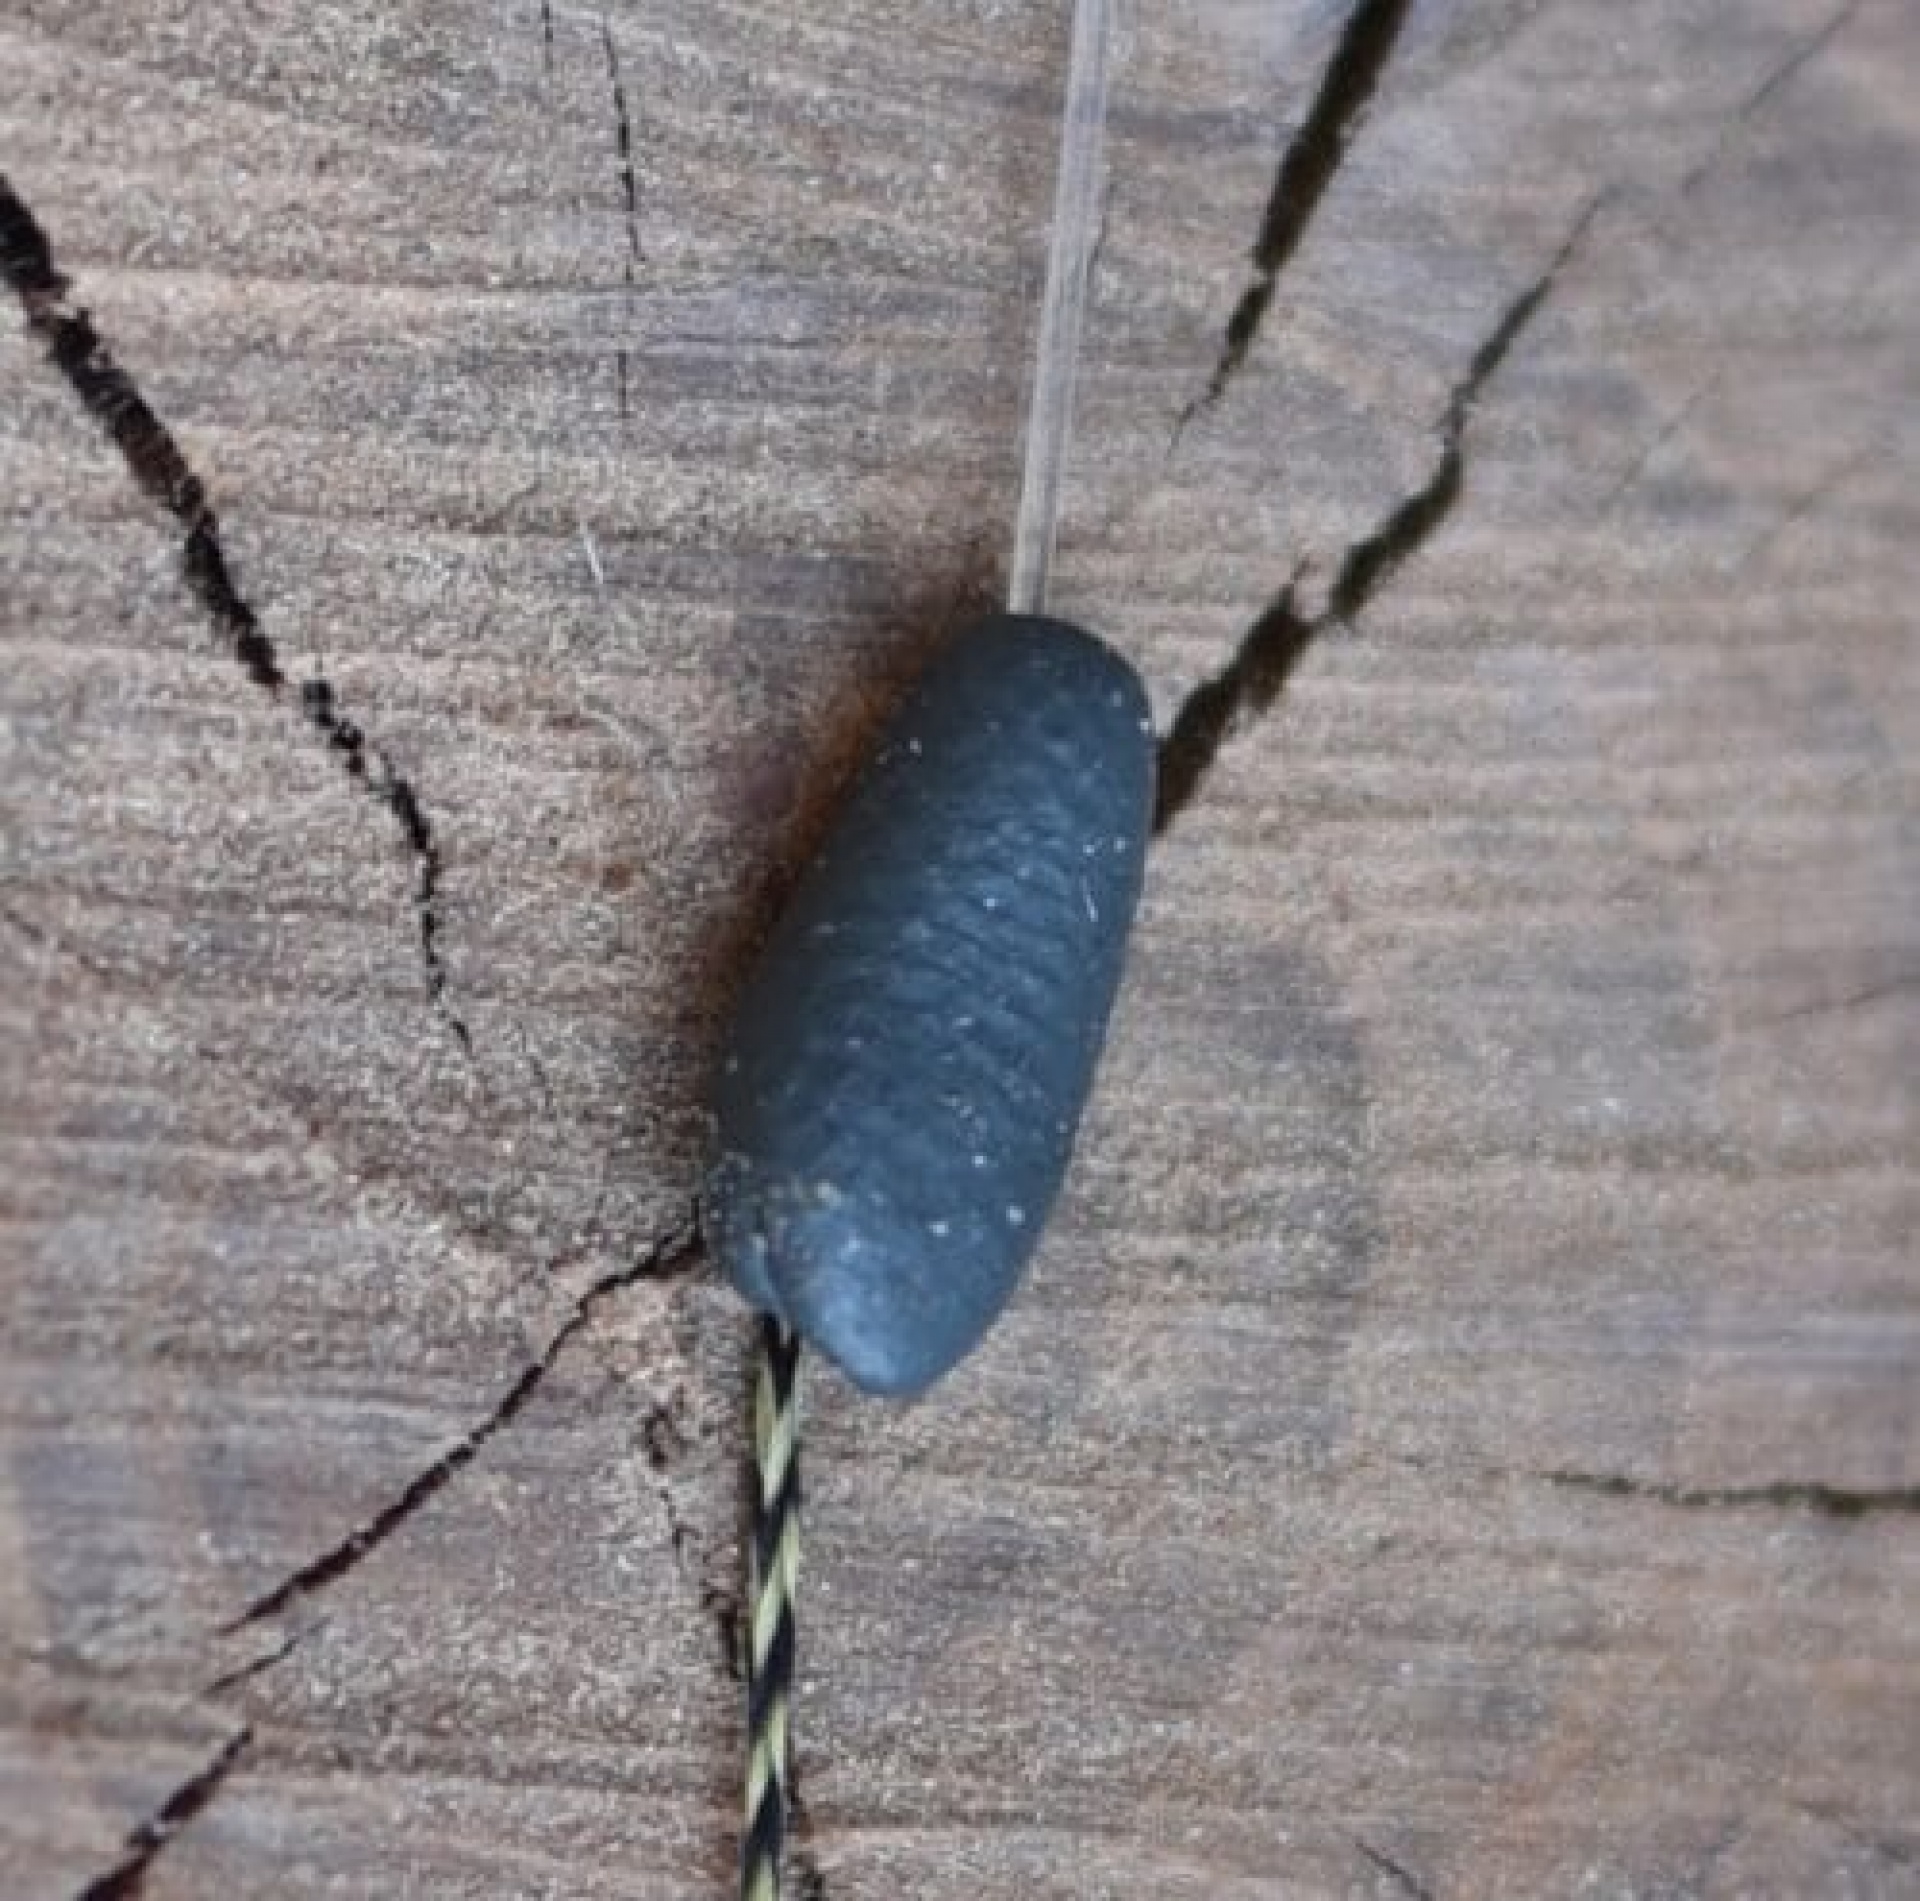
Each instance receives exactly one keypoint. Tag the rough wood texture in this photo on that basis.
(1462, 1436)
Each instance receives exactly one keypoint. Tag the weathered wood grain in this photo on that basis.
(1461, 1437)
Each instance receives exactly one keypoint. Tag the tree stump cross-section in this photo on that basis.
(469, 479)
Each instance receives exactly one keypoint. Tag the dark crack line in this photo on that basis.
(230, 1680)
(1273, 646)
(361, 1172)
(1638, 468)
(546, 35)
(1775, 82)
(804, 1873)
(1307, 168)
(53, 945)
(1810, 499)
(1393, 1870)
(1812, 1495)
(161, 471)
(1810, 49)
(1860, 999)
(1697, 1881)
(1242, 691)
(630, 196)
(1901, 1854)
(666, 1258)
(1630, 477)
(1368, 563)
(623, 140)
(661, 1440)
(128, 1875)
(807, 1879)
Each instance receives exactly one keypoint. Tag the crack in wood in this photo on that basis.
(231, 1679)
(1809, 49)
(1245, 688)
(1809, 501)
(1810, 1495)
(1776, 80)
(1307, 168)
(1644, 458)
(128, 1875)
(672, 1255)
(1903, 1854)
(630, 196)
(1371, 561)
(662, 1440)
(1863, 998)
(363, 1170)
(623, 141)
(1273, 646)
(52, 944)
(160, 469)
(1314, 156)
(805, 1875)
(1407, 1882)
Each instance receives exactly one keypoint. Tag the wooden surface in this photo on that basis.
(1462, 1435)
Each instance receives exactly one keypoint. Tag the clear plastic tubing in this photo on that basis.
(1076, 218)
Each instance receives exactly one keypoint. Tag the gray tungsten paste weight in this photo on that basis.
(899, 1092)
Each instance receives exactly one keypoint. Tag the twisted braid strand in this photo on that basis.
(775, 1566)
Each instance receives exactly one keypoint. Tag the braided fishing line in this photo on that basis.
(774, 1571)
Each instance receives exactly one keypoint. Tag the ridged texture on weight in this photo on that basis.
(898, 1098)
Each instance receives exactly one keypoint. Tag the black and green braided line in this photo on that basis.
(775, 1564)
